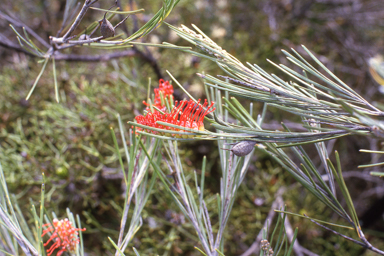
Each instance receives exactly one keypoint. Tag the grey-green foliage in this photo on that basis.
(138, 183)
(190, 199)
(316, 97)
(14, 231)
(327, 107)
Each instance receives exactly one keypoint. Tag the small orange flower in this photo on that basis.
(184, 113)
(64, 235)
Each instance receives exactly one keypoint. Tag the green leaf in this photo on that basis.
(118, 12)
(37, 79)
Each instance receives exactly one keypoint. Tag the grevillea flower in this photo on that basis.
(64, 235)
(187, 114)
(166, 90)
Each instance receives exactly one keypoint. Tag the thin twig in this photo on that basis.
(121, 22)
(121, 16)
(20, 24)
(297, 248)
(67, 17)
(366, 245)
(134, 18)
(147, 57)
(96, 58)
(255, 247)
(290, 233)
(76, 42)
(17, 234)
(358, 174)
(78, 19)
(226, 201)
(151, 61)
(74, 57)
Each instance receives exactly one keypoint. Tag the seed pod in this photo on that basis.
(106, 28)
(243, 148)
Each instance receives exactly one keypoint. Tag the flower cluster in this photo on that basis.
(185, 113)
(165, 90)
(266, 247)
(64, 235)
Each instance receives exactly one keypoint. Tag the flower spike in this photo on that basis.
(64, 235)
(184, 113)
(164, 91)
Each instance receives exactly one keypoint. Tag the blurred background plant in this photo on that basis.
(71, 143)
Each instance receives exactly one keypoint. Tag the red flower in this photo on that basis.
(184, 113)
(166, 90)
(64, 235)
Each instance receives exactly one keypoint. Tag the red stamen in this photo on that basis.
(64, 235)
(166, 90)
